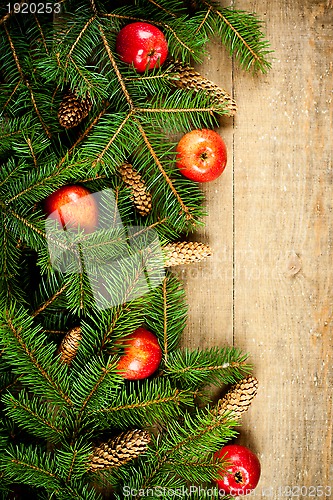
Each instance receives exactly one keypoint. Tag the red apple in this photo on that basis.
(73, 206)
(243, 473)
(142, 45)
(201, 155)
(142, 354)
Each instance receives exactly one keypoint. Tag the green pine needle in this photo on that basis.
(197, 368)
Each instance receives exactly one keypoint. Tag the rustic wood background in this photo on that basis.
(268, 289)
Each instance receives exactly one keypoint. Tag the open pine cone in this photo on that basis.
(73, 110)
(185, 252)
(239, 398)
(70, 344)
(119, 450)
(140, 195)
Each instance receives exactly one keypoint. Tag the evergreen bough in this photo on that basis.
(54, 413)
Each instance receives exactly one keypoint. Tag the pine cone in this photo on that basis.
(120, 449)
(185, 252)
(70, 344)
(73, 110)
(239, 397)
(140, 196)
(186, 77)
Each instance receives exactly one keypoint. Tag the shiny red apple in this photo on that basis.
(243, 473)
(142, 45)
(142, 355)
(73, 207)
(201, 155)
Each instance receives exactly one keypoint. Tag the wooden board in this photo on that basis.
(268, 289)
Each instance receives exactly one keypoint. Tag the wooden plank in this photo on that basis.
(283, 246)
(209, 284)
(268, 287)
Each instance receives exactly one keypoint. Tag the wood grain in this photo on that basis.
(269, 286)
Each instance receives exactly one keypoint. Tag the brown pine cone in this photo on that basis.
(140, 196)
(73, 110)
(187, 78)
(70, 344)
(119, 450)
(239, 398)
(185, 252)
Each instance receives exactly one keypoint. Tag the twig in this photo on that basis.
(116, 69)
(49, 301)
(32, 152)
(9, 14)
(225, 20)
(109, 144)
(165, 175)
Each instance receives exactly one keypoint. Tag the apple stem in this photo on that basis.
(238, 477)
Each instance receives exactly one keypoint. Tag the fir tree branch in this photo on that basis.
(35, 229)
(141, 404)
(50, 301)
(55, 332)
(12, 95)
(146, 78)
(100, 378)
(81, 137)
(193, 369)
(33, 100)
(184, 208)
(165, 321)
(24, 78)
(109, 331)
(236, 32)
(32, 152)
(156, 4)
(72, 467)
(27, 464)
(210, 109)
(112, 139)
(80, 72)
(167, 313)
(11, 173)
(11, 383)
(196, 470)
(11, 134)
(69, 55)
(24, 221)
(7, 252)
(204, 20)
(31, 360)
(116, 69)
(40, 29)
(35, 362)
(95, 178)
(72, 464)
(106, 324)
(153, 401)
(59, 169)
(17, 62)
(34, 415)
(241, 34)
(93, 7)
(196, 437)
(142, 412)
(33, 468)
